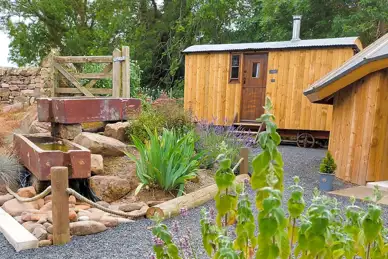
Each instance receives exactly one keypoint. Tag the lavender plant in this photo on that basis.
(319, 232)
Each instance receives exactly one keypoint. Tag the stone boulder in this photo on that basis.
(67, 131)
(109, 188)
(97, 164)
(43, 243)
(40, 127)
(109, 221)
(27, 192)
(30, 226)
(83, 228)
(15, 208)
(128, 207)
(117, 130)
(99, 144)
(40, 233)
(4, 198)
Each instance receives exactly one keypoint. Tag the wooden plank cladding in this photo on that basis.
(213, 98)
(360, 122)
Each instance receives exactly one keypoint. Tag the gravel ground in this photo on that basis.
(135, 240)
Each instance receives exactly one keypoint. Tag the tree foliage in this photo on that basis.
(157, 31)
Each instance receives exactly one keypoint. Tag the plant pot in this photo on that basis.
(326, 182)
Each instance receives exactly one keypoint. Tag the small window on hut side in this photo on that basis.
(235, 68)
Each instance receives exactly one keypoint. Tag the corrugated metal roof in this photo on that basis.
(376, 51)
(347, 41)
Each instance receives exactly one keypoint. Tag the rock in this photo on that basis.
(27, 92)
(98, 144)
(27, 192)
(96, 214)
(72, 216)
(47, 207)
(15, 208)
(40, 127)
(109, 188)
(82, 228)
(109, 221)
(97, 164)
(4, 198)
(43, 243)
(131, 206)
(48, 198)
(82, 207)
(4, 85)
(34, 216)
(138, 213)
(117, 130)
(82, 213)
(19, 219)
(83, 218)
(50, 237)
(154, 203)
(124, 220)
(103, 204)
(30, 226)
(13, 107)
(40, 233)
(50, 229)
(47, 225)
(72, 199)
(67, 131)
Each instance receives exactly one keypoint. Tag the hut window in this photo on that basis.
(255, 70)
(235, 67)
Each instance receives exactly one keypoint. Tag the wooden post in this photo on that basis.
(60, 201)
(126, 73)
(116, 74)
(244, 166)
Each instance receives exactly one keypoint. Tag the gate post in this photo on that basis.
(116, 74)
(126, 70)
(60, 203)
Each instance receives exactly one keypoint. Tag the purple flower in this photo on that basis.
(184, 212)
(158, 241)
(152, 256)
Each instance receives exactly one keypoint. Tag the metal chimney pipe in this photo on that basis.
(296, 27)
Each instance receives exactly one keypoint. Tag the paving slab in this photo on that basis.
(383, 185)
(16, 234)
(361, 192)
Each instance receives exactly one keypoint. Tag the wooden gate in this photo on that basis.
(117, 68)
(254, 86)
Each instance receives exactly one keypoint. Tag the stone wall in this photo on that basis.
(23, 85)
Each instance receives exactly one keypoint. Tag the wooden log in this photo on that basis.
(244, 166)
(73, 80)
(60, 201)
(65, 90)
(106, 69)
(116, 76)
(172, 207)
(126, 73)
(83, 59)
(93, 75)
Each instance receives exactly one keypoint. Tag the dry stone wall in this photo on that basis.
(24, 85)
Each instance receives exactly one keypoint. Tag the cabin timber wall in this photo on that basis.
(211, 98)
(359, 143)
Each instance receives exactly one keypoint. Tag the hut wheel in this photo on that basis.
(305, 140)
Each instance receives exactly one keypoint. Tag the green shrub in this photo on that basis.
(322, 231)
(328, 165)
(166, 161)
(169, 115)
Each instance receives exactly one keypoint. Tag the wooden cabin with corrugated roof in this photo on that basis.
(358, 94)
(227, 84)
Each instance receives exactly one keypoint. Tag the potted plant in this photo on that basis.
(326, 175)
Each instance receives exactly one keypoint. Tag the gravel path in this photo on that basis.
(135, 240)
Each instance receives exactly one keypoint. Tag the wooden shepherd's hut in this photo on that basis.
(358, 93)
(226, 84)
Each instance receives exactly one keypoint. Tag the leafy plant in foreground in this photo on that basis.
(319, 232)
(166, 161)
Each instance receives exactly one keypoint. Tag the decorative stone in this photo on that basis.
(109, 221)
(96, 214)
(15, 208)
(13, 107)
(132, 206)
(67, 131)
(117, 130)
(82, 228)
(97, 164)
(72, 199)
(43, 243)
(109, 188)
(30, 226)
(103, 203)
(138, 213)
(72, 216)
(40, 233)
(82, 207)
(4, 85)
(124, 220)
(47, 207)
(27, 92)
(27, 192)
(4, 198)
(98, 144)
(83, 218)
(40, 127)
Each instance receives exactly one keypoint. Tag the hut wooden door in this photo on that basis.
(253, 88)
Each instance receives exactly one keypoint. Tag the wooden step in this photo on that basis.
(247, 124)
